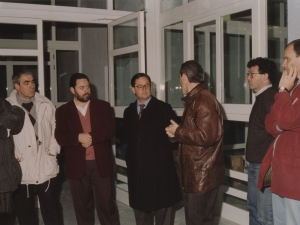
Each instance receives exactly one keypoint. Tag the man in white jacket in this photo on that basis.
(36, 150)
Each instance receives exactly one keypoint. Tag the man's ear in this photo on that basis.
(17, 87)
(72, 90)
(266, 76)
(133, 90)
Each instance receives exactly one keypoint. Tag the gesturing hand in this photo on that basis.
(171, 129)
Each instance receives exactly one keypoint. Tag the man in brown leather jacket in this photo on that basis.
(200, 156)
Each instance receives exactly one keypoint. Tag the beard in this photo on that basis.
(83, 98)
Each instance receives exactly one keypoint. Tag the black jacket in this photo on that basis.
(152, 179)
(11, 117)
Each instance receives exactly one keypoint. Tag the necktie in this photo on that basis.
(141, 110)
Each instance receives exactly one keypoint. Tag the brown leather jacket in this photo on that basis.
(200, 135)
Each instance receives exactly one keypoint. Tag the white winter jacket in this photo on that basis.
(37, 165)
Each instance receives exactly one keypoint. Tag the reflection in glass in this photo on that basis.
(67, 64)
(277, 32)
(237, 30)
(173, 42)
(125, 34)
(121, 146)
(169, 4)
(18, 36)
(125, 66)
(129, 5)
(205, 52)
(234, 201)
(66, 31)
(10, 65)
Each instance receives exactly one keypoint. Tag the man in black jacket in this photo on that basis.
(153, 183)
(11, 122)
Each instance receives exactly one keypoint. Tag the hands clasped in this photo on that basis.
(85, 139)
(171, 129)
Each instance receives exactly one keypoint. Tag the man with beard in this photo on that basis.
(84, 127)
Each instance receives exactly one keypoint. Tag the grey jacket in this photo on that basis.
(11, 117)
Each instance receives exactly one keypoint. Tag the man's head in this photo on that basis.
(261, 72)
(292, 56)
(141, 86)
(24, 83)
(80, 87)
(191, 74)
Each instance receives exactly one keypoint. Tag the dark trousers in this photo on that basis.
(51, 210)
(91, 191)
(164, 216)
(199, 208)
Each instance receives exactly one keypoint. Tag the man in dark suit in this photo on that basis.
(84, 127)
(153, 183)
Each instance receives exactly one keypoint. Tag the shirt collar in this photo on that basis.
(145, 103)
(262, 90)
(83, 110)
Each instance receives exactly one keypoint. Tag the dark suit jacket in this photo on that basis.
(152, 179)
(68, 127)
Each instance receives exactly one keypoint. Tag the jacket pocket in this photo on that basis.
(50, 166)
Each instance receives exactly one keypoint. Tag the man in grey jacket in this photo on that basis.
(36, 150)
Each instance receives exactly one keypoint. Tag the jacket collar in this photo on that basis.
(186, 100)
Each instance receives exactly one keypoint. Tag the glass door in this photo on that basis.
(126, 46)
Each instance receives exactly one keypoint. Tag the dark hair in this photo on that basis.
(193, 70)
(296, 44)
(77, 76)
(16, 77)
(137, 76)
(265, 65)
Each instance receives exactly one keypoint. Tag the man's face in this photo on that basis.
(26, 88)
(255, 79)
(291, 60)
(82, 91)
(183, 83)
(142, 89)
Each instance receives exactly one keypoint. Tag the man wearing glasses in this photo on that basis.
(261, 76)
(153, 183)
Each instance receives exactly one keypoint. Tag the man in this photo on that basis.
(153, 183)
(36, 150)
(11, 122)
(261, 75)
(283, 122)
(200, 156)
(84, 127)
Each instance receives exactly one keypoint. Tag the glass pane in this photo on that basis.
(66, 2)
(125, 34)
(40, 2)
(237, 202)
(169, 4)
(277, 32)
(47, 31)
(205, 52)
(129, 5)
(67, 64)
(237, 52)
(173, 42)
(95, 4)
(121, 146)
(47, 78)
(18, 36)
(13, 64)
(125, 66)
(66, 31)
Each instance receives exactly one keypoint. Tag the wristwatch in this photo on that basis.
(283, 89)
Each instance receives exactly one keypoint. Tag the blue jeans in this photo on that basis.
(286, 211)
(259, 203)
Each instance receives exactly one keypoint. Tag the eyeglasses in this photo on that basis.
(251, 74)
(142, 87)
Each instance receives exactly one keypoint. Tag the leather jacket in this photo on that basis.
(200, 136)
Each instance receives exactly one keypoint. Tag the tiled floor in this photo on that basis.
(126, 213)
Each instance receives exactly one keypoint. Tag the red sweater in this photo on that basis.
(285, 114)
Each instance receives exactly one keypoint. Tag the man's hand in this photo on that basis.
(171, 129)
(85, 139)
(288, 78)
